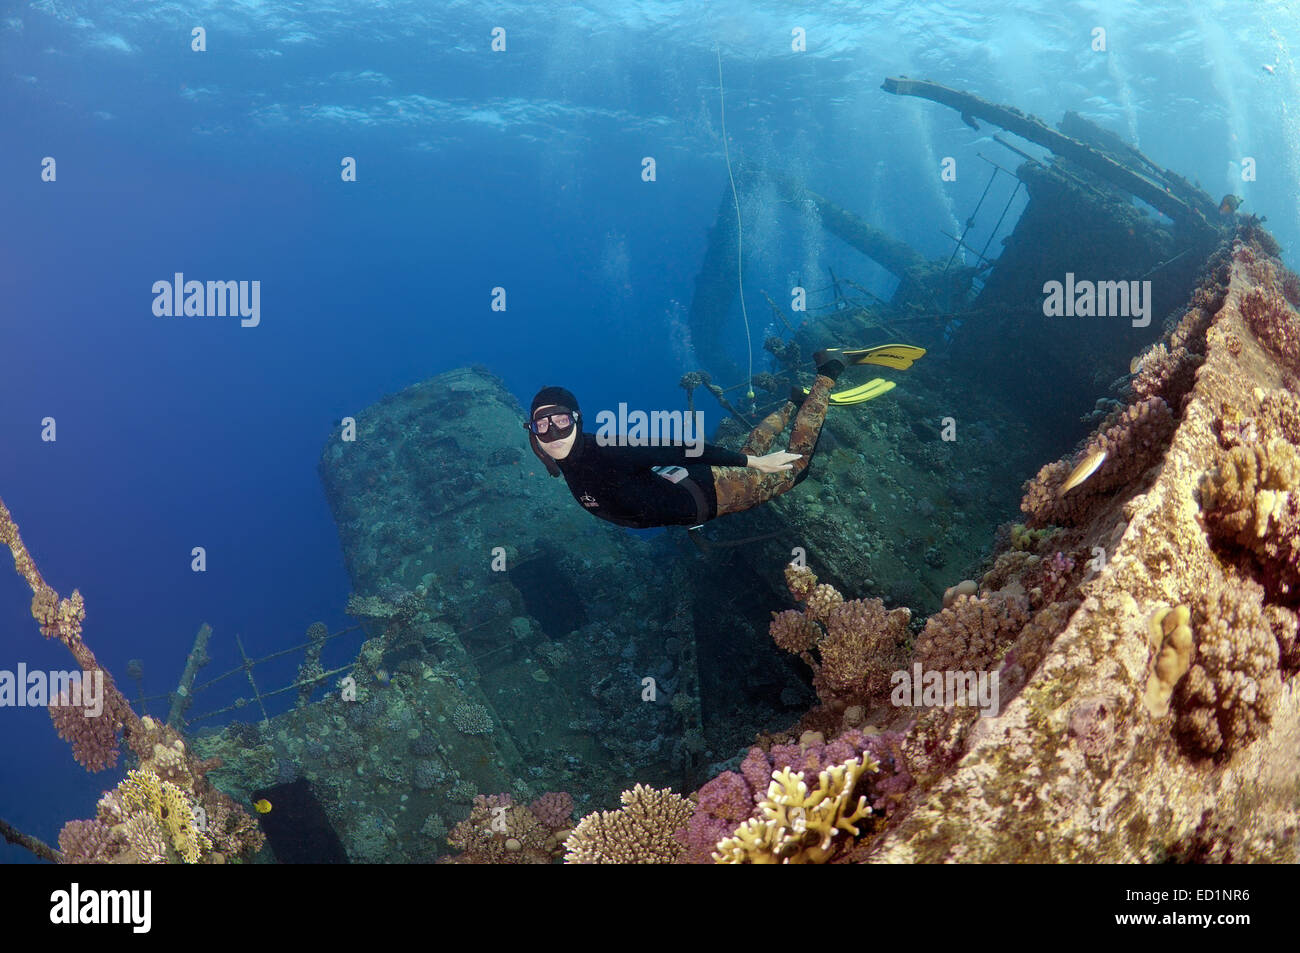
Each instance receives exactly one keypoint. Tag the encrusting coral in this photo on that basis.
(1171, 639)
(640, 832)
(801, 826)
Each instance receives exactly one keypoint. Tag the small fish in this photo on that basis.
(1135, 365)
(1269, 68)
(1229, 204)
(262, 806)
(382, 676)
(1086, 468)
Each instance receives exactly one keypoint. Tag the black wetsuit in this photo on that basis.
(619, 484)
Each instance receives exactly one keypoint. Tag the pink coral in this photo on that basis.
(93, 738)
(554, 810)
(87, 842)
(728, 797)
(1274, 323)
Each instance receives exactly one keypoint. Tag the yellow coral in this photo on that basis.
(798, 826)
(171, 807)
(1171, 637)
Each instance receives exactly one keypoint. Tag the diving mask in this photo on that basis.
(556, 425)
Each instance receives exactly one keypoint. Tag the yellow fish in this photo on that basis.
(1229, 204)
(1086, 468)
(262, 807)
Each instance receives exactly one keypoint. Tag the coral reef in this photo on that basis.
(1076, 768)
(971, 634)
(164, 811)
(1231, 690)
(498, 831)
(201, 824)
(1131, 446)
(1274, 323)
(1251, 500)
(640, 832)
(801, 826)
(733, 797)
(1168, 369)
(858, 641)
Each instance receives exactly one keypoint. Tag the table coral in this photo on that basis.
(640, 832)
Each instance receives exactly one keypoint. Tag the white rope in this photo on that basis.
(740, 277)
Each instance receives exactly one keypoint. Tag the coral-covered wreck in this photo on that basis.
(1096, 666)
(1138, 612)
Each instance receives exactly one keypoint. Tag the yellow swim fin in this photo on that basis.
(862, 393)
(897, 356)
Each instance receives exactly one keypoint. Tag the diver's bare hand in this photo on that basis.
(773, 462)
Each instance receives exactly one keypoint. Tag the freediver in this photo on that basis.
(644, 487)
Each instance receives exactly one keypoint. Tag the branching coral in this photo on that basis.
(1131, 445)
(148, 819)
(793, 631)
(858, 641)
(86, 842)
(472, 719)
(93, 737)
(801, 826)
(640, 832)
(970, 634)
(1250, 501)
(1229, 694)
(860, 648)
